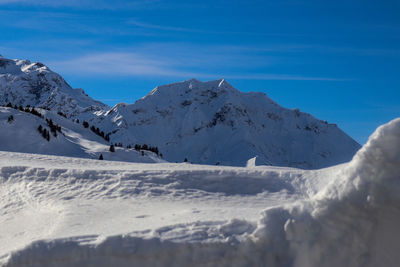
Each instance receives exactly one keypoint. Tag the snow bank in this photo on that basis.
(353, 221)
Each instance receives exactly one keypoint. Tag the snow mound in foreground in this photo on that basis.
(353, 221)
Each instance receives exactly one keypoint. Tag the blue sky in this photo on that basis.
(338, 60)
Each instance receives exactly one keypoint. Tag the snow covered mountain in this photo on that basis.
(214, 123)
(203, 122)
(25, 83)
(22, 131)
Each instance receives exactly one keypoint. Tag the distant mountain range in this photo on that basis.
(203, 122)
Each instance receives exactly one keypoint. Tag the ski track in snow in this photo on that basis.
(68, 211)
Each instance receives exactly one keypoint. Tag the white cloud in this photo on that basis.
(118, 64)
(284, 77)
(133, 64)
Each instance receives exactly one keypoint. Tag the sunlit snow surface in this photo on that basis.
(58, 211)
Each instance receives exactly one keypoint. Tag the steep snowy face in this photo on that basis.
(214, 123)
(25, 83)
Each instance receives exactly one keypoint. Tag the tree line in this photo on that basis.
(137, 147)
(27, 109)
(54, 128)
(96, 130)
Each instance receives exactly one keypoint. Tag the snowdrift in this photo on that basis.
(353, 221)
(347, 215)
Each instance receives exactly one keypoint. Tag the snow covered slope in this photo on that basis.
(21, 134)
(25, 83)
(214, 123)
(76, 212)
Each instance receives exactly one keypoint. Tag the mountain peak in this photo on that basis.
(193, 85)
(194, 80)
(34, 84)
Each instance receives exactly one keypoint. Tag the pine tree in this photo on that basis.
(101, 157)
(46, 135)
(10, 119)
(62, 114)
(35, 112)
(112, 148)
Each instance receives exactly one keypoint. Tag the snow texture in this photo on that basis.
(76, 212)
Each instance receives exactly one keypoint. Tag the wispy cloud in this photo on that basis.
(169, 28)
(64, 21)
(160, 27)
(284, 77)
(132, 64)
(118, 64)
(88, 4)
(362, 51)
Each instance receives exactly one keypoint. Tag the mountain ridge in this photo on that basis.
(216, 111)
(204, 122)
